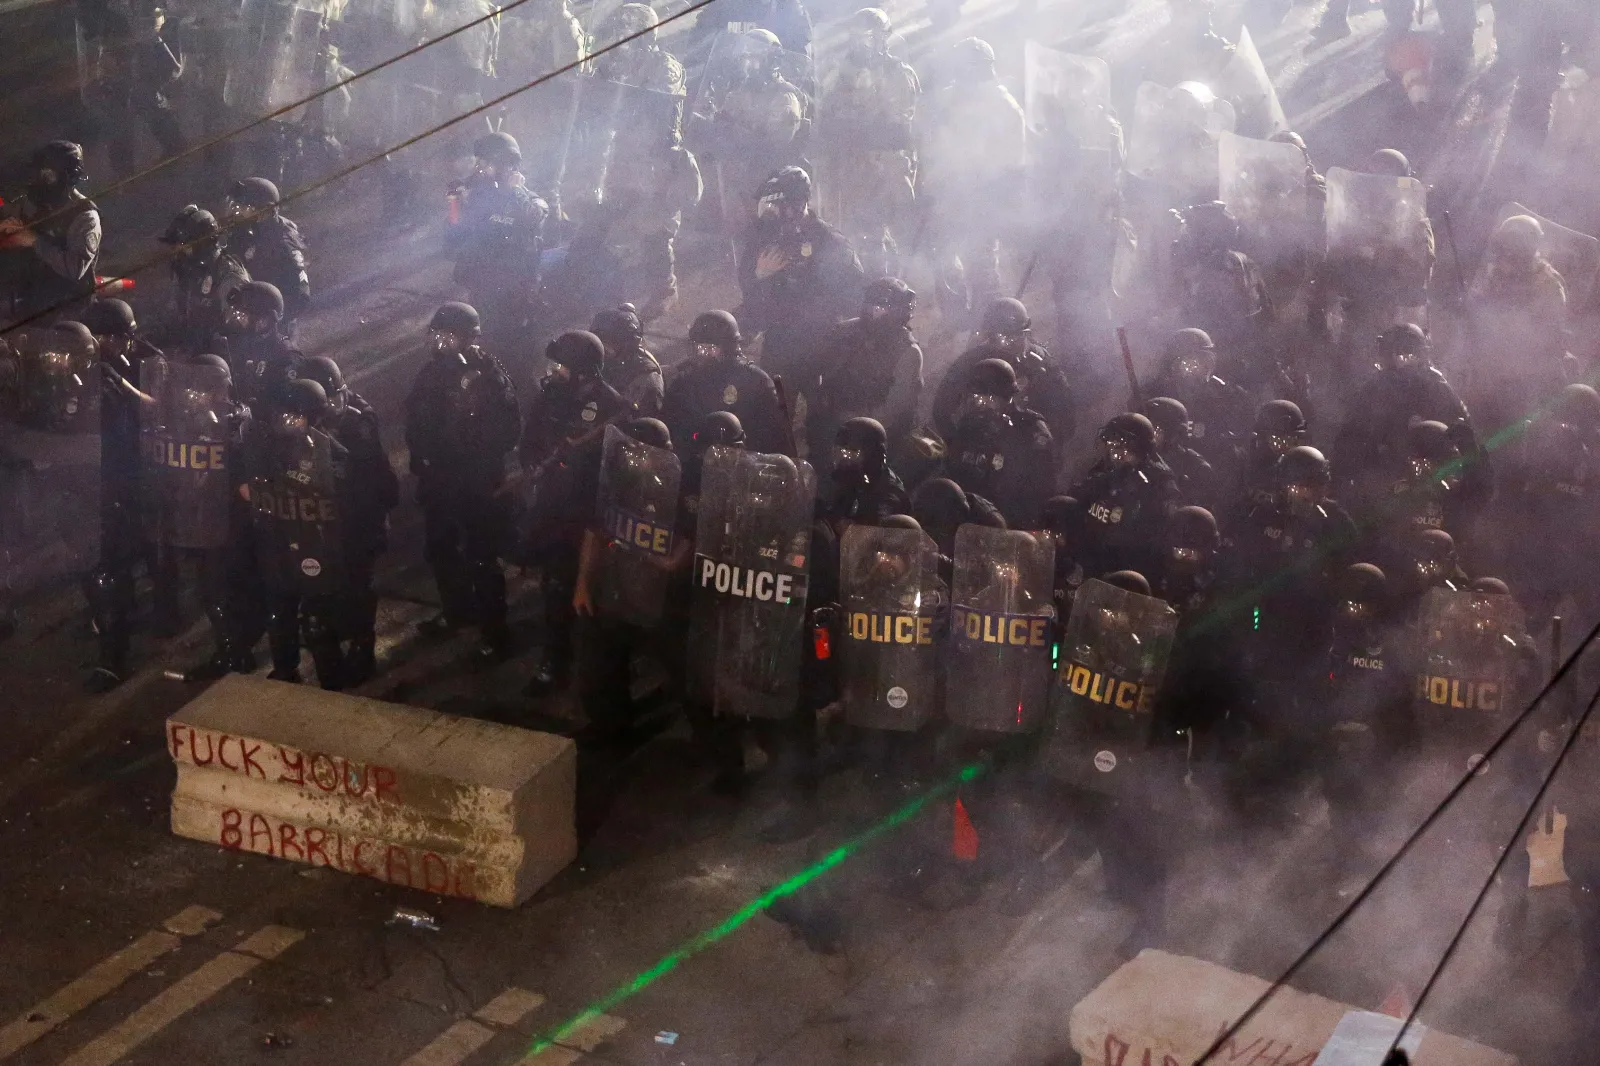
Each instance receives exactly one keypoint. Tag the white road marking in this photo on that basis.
(453, 1045)
(187, 994)
(102, 978)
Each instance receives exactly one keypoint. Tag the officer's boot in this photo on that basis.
(225, 659)
(322, 640)
(283, 637)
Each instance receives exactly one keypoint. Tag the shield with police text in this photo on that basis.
(1113, 656)
(1463, 694)
(1173, 140)
(748, 582)
(186, 441)
(295, 503)
(1245, 84)
(891, 633)
(636, 509)
(1265, 184)
(1576, 256)
(997, 673)
(1375, 217)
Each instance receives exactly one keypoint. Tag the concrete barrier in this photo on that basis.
(452, 806)
(1165, 1010)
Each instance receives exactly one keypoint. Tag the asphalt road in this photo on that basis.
(107, 961)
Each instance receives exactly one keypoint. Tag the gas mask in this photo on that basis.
(237, 323)
(289, 426)
(705, 352)
(445, 343)
(1270, 446)
(1428, 570)
(1301, 498)
(1118, 451)
(979, 407)
(1421, 470)
(850, 463)
(1194, 369)
(1009, 343)
(1185, 560)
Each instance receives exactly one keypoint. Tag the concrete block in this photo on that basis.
(1165, 1010)
(452, 806)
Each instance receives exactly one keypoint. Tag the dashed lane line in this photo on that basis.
(572, 1047)
(468, 1035)
(102, 978)
(263, 945)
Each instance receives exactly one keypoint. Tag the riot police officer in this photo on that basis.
(462, 422)
(297, 495)
(1220, 287)
(871, 369)
(1425, 558)
(263, 361)
(630, 367)
(941, 507)
(1439, 487)
(1407, 388)
(718, 377)
(53, 236)
(869, 107)
(1197, 481)
(798, 277)
(123, 352)
(371, 491)
(999, 449)
(1279, 426)
(1218, 410)
(1127, 496)
(495, 239)
(269, 245)
(861, 486)
(1006, 332)
(560, 450)
(204, 276)
(1518, 303)
(758, 123)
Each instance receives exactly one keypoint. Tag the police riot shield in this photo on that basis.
(1264, 182)
(294, 55)
(57, 384)
(295, 506)
(1113, 657)
(1244, 83)
(895, 607)
(997, 675)
(1466, 670)
(186, 441)
(748, 582)
(637, 508)
(1373, 216)
(1065, 95)
(1576, 256)
(1173, 140)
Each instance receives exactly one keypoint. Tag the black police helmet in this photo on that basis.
(258, 299)
(1430, 440)
(1491, 585)
(716, 327)
(1430, 544)
(578, 350)
(940, 502)
(324, 371)
(254, 192)
(1363, 582)
(458, 318)
(1167, 415)
(214, 361)
(1006, 315)
(1280, 416)
(1194, 527)
(720, 428)
(1303, 465)
(1128, 581)
(862, 432)
(791, 185)
(651, 431)
(190, 226)
(304, 397)
(1133, 427)
(64, 159)
(901, 521)
(501, 149)
(1187, 342)
(110, 318)
(1063, 515)
(619, 326)
(1404, 339)
(1389, 162)
(992, 377)
(75, 334)
(890, 293)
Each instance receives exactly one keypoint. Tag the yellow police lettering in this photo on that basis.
(1079, 681)
(1019, 631)
(924, 631)
(1125, 700)
(859, 626)
(905, 629)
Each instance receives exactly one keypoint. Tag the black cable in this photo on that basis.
(1499, 863)
(1233, 1028)
(162, 164)
(174, 251)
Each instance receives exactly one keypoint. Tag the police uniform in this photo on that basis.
(869, 104)
(733, 385)
(263, 365)
(1042, 387)
(636, 375)
(461, 423)
(272, 250)
(58, 273)
(1010, 460)
(371, 491)
(194, 317)
(865, 372)
(796, 308)
(495, 242)
(1125, 515)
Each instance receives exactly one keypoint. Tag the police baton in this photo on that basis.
(1127, 366)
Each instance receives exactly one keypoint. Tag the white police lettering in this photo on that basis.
(743, 582)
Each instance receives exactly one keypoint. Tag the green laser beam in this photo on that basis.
(702, 940)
